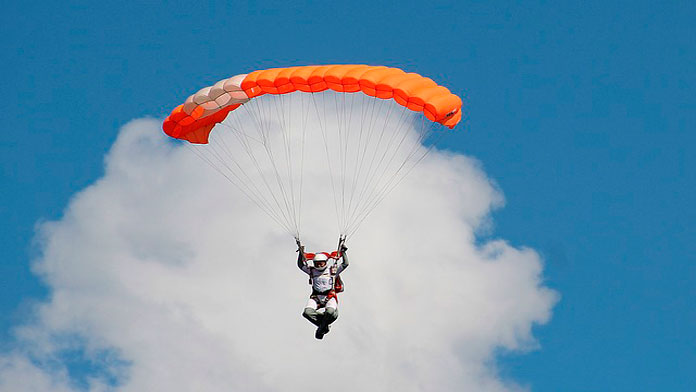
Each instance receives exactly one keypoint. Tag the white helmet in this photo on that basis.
(320, 257)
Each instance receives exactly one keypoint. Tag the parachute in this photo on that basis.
(372, 123)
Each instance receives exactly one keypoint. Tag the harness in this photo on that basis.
(322, 298)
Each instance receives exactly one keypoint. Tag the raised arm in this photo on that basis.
(344, 258)
(301, 259)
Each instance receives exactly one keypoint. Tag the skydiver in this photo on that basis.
(322, 306)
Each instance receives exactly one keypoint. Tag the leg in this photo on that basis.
(331, 312)
(330, 315)
(311, 314)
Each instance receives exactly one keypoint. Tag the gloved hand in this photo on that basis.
(343, 248)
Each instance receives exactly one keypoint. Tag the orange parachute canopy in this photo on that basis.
(195, 118)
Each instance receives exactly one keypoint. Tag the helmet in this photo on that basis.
(322, 258)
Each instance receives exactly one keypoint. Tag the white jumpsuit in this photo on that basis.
(323, 284)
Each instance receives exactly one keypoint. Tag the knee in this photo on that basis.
(308, 313)
(331, 313)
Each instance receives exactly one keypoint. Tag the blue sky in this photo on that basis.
(583, 114)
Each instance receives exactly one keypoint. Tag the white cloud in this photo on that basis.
(186, 286)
